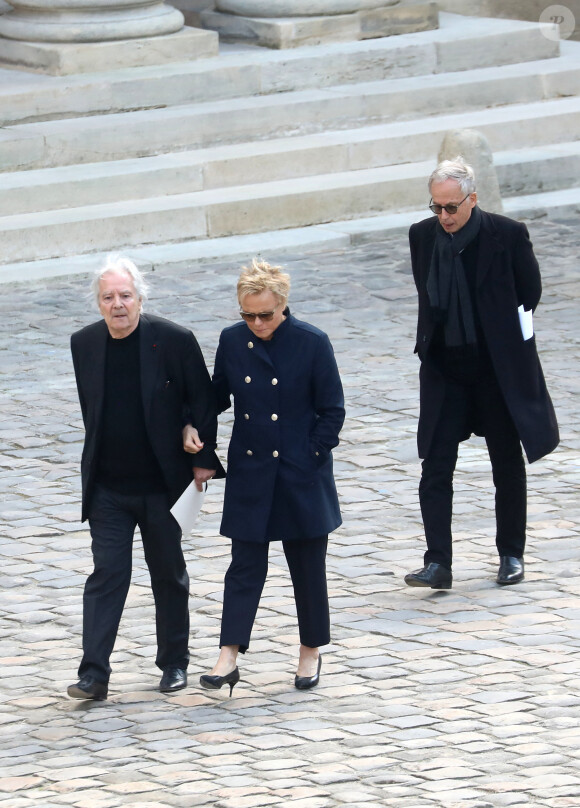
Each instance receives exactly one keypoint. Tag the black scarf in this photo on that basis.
(447, 286)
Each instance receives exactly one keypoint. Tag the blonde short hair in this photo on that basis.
(262, 277)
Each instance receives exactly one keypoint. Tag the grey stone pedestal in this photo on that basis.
(61, 59)
(291, 24)
(78, 36)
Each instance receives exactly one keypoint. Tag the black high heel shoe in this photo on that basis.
(308, 682)
(217, 682)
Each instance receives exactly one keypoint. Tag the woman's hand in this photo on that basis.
(191, 441)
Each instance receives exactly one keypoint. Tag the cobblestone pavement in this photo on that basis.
(468, 698)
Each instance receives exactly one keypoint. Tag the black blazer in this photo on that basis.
(174, 382)
(507, 276)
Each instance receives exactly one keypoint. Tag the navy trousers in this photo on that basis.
(245, 579)
(113, 518)
(483, 401)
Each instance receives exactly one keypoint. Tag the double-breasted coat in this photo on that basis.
(175, 386)
(288, 412)
(507, 276)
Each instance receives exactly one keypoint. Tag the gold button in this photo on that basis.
(274, 381)
(274, 417)
(249, 452)
(248, 379)
(317, 454)
(274, 453)
(247, 417)
(250, 344)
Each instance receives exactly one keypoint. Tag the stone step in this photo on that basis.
(210, 214)
(240, 209)
(163, 257)
(538, 125)
(249, 71)
(552, 167)
(149, 132)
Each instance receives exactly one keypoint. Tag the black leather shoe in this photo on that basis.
(173, 679)
(88, 688)
(511, 570)
(214, 682)
(433, 575)
(308, 682)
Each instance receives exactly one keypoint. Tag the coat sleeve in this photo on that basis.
(328, 400)
(527, 277)
(220, 382)
(202, 412)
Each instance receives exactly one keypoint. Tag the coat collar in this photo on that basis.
(490, 243)
(279, 338)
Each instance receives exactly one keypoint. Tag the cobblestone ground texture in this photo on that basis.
(468, 698)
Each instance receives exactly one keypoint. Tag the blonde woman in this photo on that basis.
(289, 410)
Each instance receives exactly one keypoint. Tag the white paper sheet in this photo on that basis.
(187, 508)
(526, 323)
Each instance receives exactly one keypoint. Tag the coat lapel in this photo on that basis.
(96, 369)
(150, 352)
(490, 244)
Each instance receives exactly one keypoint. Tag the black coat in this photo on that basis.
(289, 410)
(174, 381)
(507, 277)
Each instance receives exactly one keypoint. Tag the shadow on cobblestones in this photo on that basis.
(464, 699)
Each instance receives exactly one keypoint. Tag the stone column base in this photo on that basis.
(292, 32)
(61, 59)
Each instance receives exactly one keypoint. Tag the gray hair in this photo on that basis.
(119, 263)
(457, 170)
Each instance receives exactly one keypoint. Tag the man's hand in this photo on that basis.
(191, 441)
(202, 476)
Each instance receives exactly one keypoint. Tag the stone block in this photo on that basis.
(476, 151)
(87, 229)
(489, 49)
(292, 32)
(98, 183)
(313, 200)
(404, 19)
(281, 33)
(61, 59)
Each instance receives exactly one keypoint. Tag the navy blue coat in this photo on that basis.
(507, 276)
(288, 412)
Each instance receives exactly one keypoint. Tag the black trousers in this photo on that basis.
(245, 579)
(113, 518)
(484, 401)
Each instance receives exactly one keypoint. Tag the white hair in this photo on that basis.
(457, 170)
(119, 263)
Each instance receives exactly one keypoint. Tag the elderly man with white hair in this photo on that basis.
(141, 379)
(478, 283)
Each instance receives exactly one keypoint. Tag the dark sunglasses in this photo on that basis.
(451, 209)
(265, 316)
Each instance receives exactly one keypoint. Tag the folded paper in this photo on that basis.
(187, 507)
(526, 322)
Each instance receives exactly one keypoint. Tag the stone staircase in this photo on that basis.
(192, 160)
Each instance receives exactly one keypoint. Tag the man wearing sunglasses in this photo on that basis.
(480, 372)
